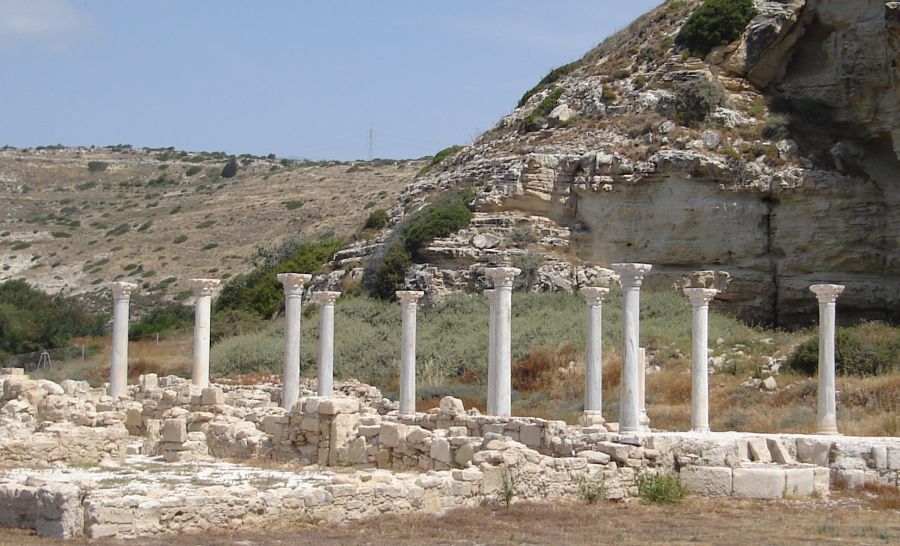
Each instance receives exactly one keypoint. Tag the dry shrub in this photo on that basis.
(669, 386)
(882, 497)
(536, 370)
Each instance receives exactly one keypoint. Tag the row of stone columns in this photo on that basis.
(632, 410)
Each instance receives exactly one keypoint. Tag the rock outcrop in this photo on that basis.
(791, 180)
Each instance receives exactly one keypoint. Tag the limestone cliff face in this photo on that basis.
(793, 179)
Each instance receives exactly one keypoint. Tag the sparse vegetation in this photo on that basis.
(864, 350)
(592, 489)
(378, 219)
(293, 204)
(696, 99)
(179, 239)
(663, 489)
(552, 77)
(97, 166)
(537, 117)
(173, 316)
(438, 158)
(230, 169)
(715, 23)
(192, 170)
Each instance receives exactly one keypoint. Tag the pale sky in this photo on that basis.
(295, 78)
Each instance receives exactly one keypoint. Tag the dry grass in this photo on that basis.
(697, 521)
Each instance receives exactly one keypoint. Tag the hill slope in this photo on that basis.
(74, 218)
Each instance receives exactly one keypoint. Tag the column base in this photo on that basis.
(644, 421)
(702, 430)
(831, 431)
(591, 419)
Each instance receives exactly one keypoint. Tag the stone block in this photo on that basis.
(335, 406)
(594, 457)
(440, 450)
(852, 478)
(821, 481)
(710, 481)
(618, 452)
(880, 457)
(175, 431)
(149, 381)
(813, 451)
(12, 371)
(212, 396)
(758, 483)
(893, 458)
(758, 449)
(417, 435)
(452, 406)
(392, 434)
(530, 435)
(779, 451)
(133, 417)
(799, 482)
(464, 454)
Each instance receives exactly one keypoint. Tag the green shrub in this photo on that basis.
(438, 158)
(256, 351)
(210, 246)
(259, 291)
(230, 169)
(118, 230)
(293, 205)
(536, 118)
(696, 99)
(192, 170)
(391, 276)
(377, 219)
(31, 320)
(864, 350)
(660, 489)
(235, 322)
(715, 23)
(205, 224)
(61, 234)
(96, 166)
(20, 246)
(173, 316)
(552, 77)
(180, 239)
(447, 215)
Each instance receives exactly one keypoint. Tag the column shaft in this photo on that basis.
(293, 296)
(203, 289)
(408, 302)
(326, 342)
(503, 282)
(631, 276)
(593, 357)
(643, 418)
(826, 404)
(492, 357)
(118, 366)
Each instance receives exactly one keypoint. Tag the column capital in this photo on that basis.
(325, 297)
(827, 293)
(491, 295)
(502, 276)
(594, 294)
(700, 296)
(409, 297)
(631, 274)
(293, 282)
(204, 287)
(122, 290)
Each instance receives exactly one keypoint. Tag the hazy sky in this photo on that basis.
(294, 78)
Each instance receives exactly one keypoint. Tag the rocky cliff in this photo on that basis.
(788, 175)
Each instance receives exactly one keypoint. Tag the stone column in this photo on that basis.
(643, 418)
(700, 298)
(409, 302)
(118, 364)
(492, 342)
(826, 408)
(631, 276)
(293, 295)
(326, 342)
(203, 290)
(503, 281)
(593, 357)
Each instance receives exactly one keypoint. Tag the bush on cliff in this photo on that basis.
(715, 23)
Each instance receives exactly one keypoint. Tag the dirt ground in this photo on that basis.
(839, 520)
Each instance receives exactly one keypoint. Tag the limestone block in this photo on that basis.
(417, 435)
(335, 406)
(758, 483)
(369, 430)
(813, 451)
(893, 458)
(880, 457)
(594, 457)
(211, 396)
(821, 481)
(440, 450)
(759, 450)
(799, 482)
(464, 454)
(530, 435)
(711, 481)
(618, 452)
(12, 371)
(392, 434)
(779, 451)
(133, 417)
(149, 381)
(457, 431)
(452, 406)
(50, 387)
(174, 430)
(852, 478)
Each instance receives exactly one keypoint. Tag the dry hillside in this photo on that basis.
(73, 218)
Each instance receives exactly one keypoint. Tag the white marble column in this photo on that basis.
(492, 361)
(326, 342)
(503, 282)
(203, 290)
(293, 295)
(631, 276)
(643, 418)
(409, 302)
(118, 363)
(826, 408)
(593, 357)
(700, 298)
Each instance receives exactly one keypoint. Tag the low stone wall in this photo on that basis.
(51, 509)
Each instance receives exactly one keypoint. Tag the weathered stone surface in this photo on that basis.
(711, 481)
(758, 483)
